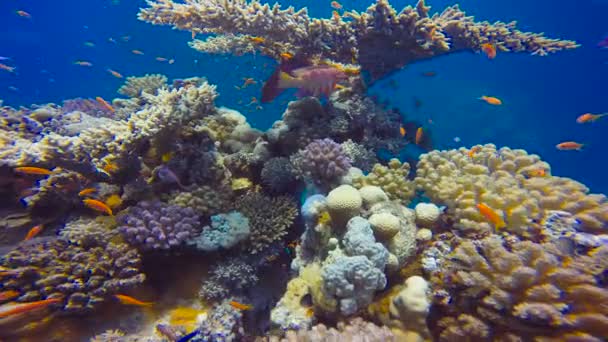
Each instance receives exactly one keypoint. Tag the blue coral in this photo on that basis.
(323, 162)
(226, 230)
(154, 225)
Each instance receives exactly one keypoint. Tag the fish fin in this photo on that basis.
(285, 80)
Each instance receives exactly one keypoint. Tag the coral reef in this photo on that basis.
(269, 218)
(149, 84)
(409, 35)
(205, 200)
(88, 232)
(393, 179)
(153, 225)
(322, 162)
(226, 231)
(278, 174)
(224, 323)
(228, 278)
(353, 330)
(505, 181)
(499, 289)
(82, 277)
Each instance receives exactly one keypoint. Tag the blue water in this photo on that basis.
(542, 95)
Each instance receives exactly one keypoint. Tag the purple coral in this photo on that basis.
(323, 161)
(155, 225)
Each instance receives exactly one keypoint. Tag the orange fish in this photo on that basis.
(97, 205)
(286, 55)
(335, 15)
(588, 117)
(419, 135)
(335, 5)
(489, 50)
(137, 52)
(537, 173)
(105, 104)
(128, 300)
(8, 295)
(491, 100)
(248, 81)
(33, 232)
(25, 307)
(84, 63)
(161, 59)
(474, 150)
(241, 306)
(257, 40)
(32, 170)
(491, 216)
(254, 100)
(23, 14)
(402, 131)
(114, 73)
(7, 68)
(569, 146)
(87, 191)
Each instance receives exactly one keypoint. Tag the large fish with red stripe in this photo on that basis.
(317, 80)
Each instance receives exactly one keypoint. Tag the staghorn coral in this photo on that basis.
(226, 231)
(205, 200)
(269, 218)
(352, 330)
(153, 225)
(409, 35)
(322, 161)
(393, 179)
(504, 180)
(228, 278)
(520, 289)
(149, 84)
(83, 277)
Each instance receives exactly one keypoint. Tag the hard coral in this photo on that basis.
(323, 162)
(149, 84)
(153, 225)
(226, 231)
(205, 200)
(88, 232)
(521, 290)
(269, 218)
(393, 179)
(353, 330)
(83, 277)
(228, 278)
(277, 174)
(505, 180)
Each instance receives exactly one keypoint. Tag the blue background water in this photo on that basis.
(542, 96)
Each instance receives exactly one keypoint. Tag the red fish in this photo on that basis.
(489, 50)
(114, 73)
(9, 310)
(312, 80)
(33, 232)
(569, 146)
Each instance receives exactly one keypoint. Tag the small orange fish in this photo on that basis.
(402, 131)
(569, 146)
(419, 135)
(254, 100)
(84, 63)
(128, 300)
(537, 173)
(87, 191)
(137, 52)
(32, 170)
(114, 73)
(491, 216)
(286, 55)
(33, 232)
(491, 100)
(110, 167)
(257, 40)
(105, 104)
(336, 5)
(240, 306)
(489, 50)
(7, 68)
(473, 151)
(97, 205)
(8, 295)
(588, 117)
(25, 307)
(24, 14)
(248, 81)
(161, 59)
(335, 15)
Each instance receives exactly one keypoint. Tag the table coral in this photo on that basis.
(503, 179)
(367, 37)
(269, 218)
(226, 231)
(393, 179)
(83, 277)
(523, 290)
(153, 225)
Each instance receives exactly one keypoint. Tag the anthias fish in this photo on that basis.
(491, 215)
(128, 300)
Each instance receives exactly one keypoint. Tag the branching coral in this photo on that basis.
(277, 174)
(149, 84)
(83, 277)
(521, 290)
(88, 232)
(228, 278)
(323, 162)
(507, 181)
(269, 218)
(353, 330)
(153, 225)
(393, 179)
(205, 200)
(409, 35)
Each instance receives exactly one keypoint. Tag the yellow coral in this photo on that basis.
(393, 179)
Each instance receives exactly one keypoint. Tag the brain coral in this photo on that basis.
(155, 225)
(521, 291)
(392, 179)
(512, 183)
(83, 277)
(269, 218)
